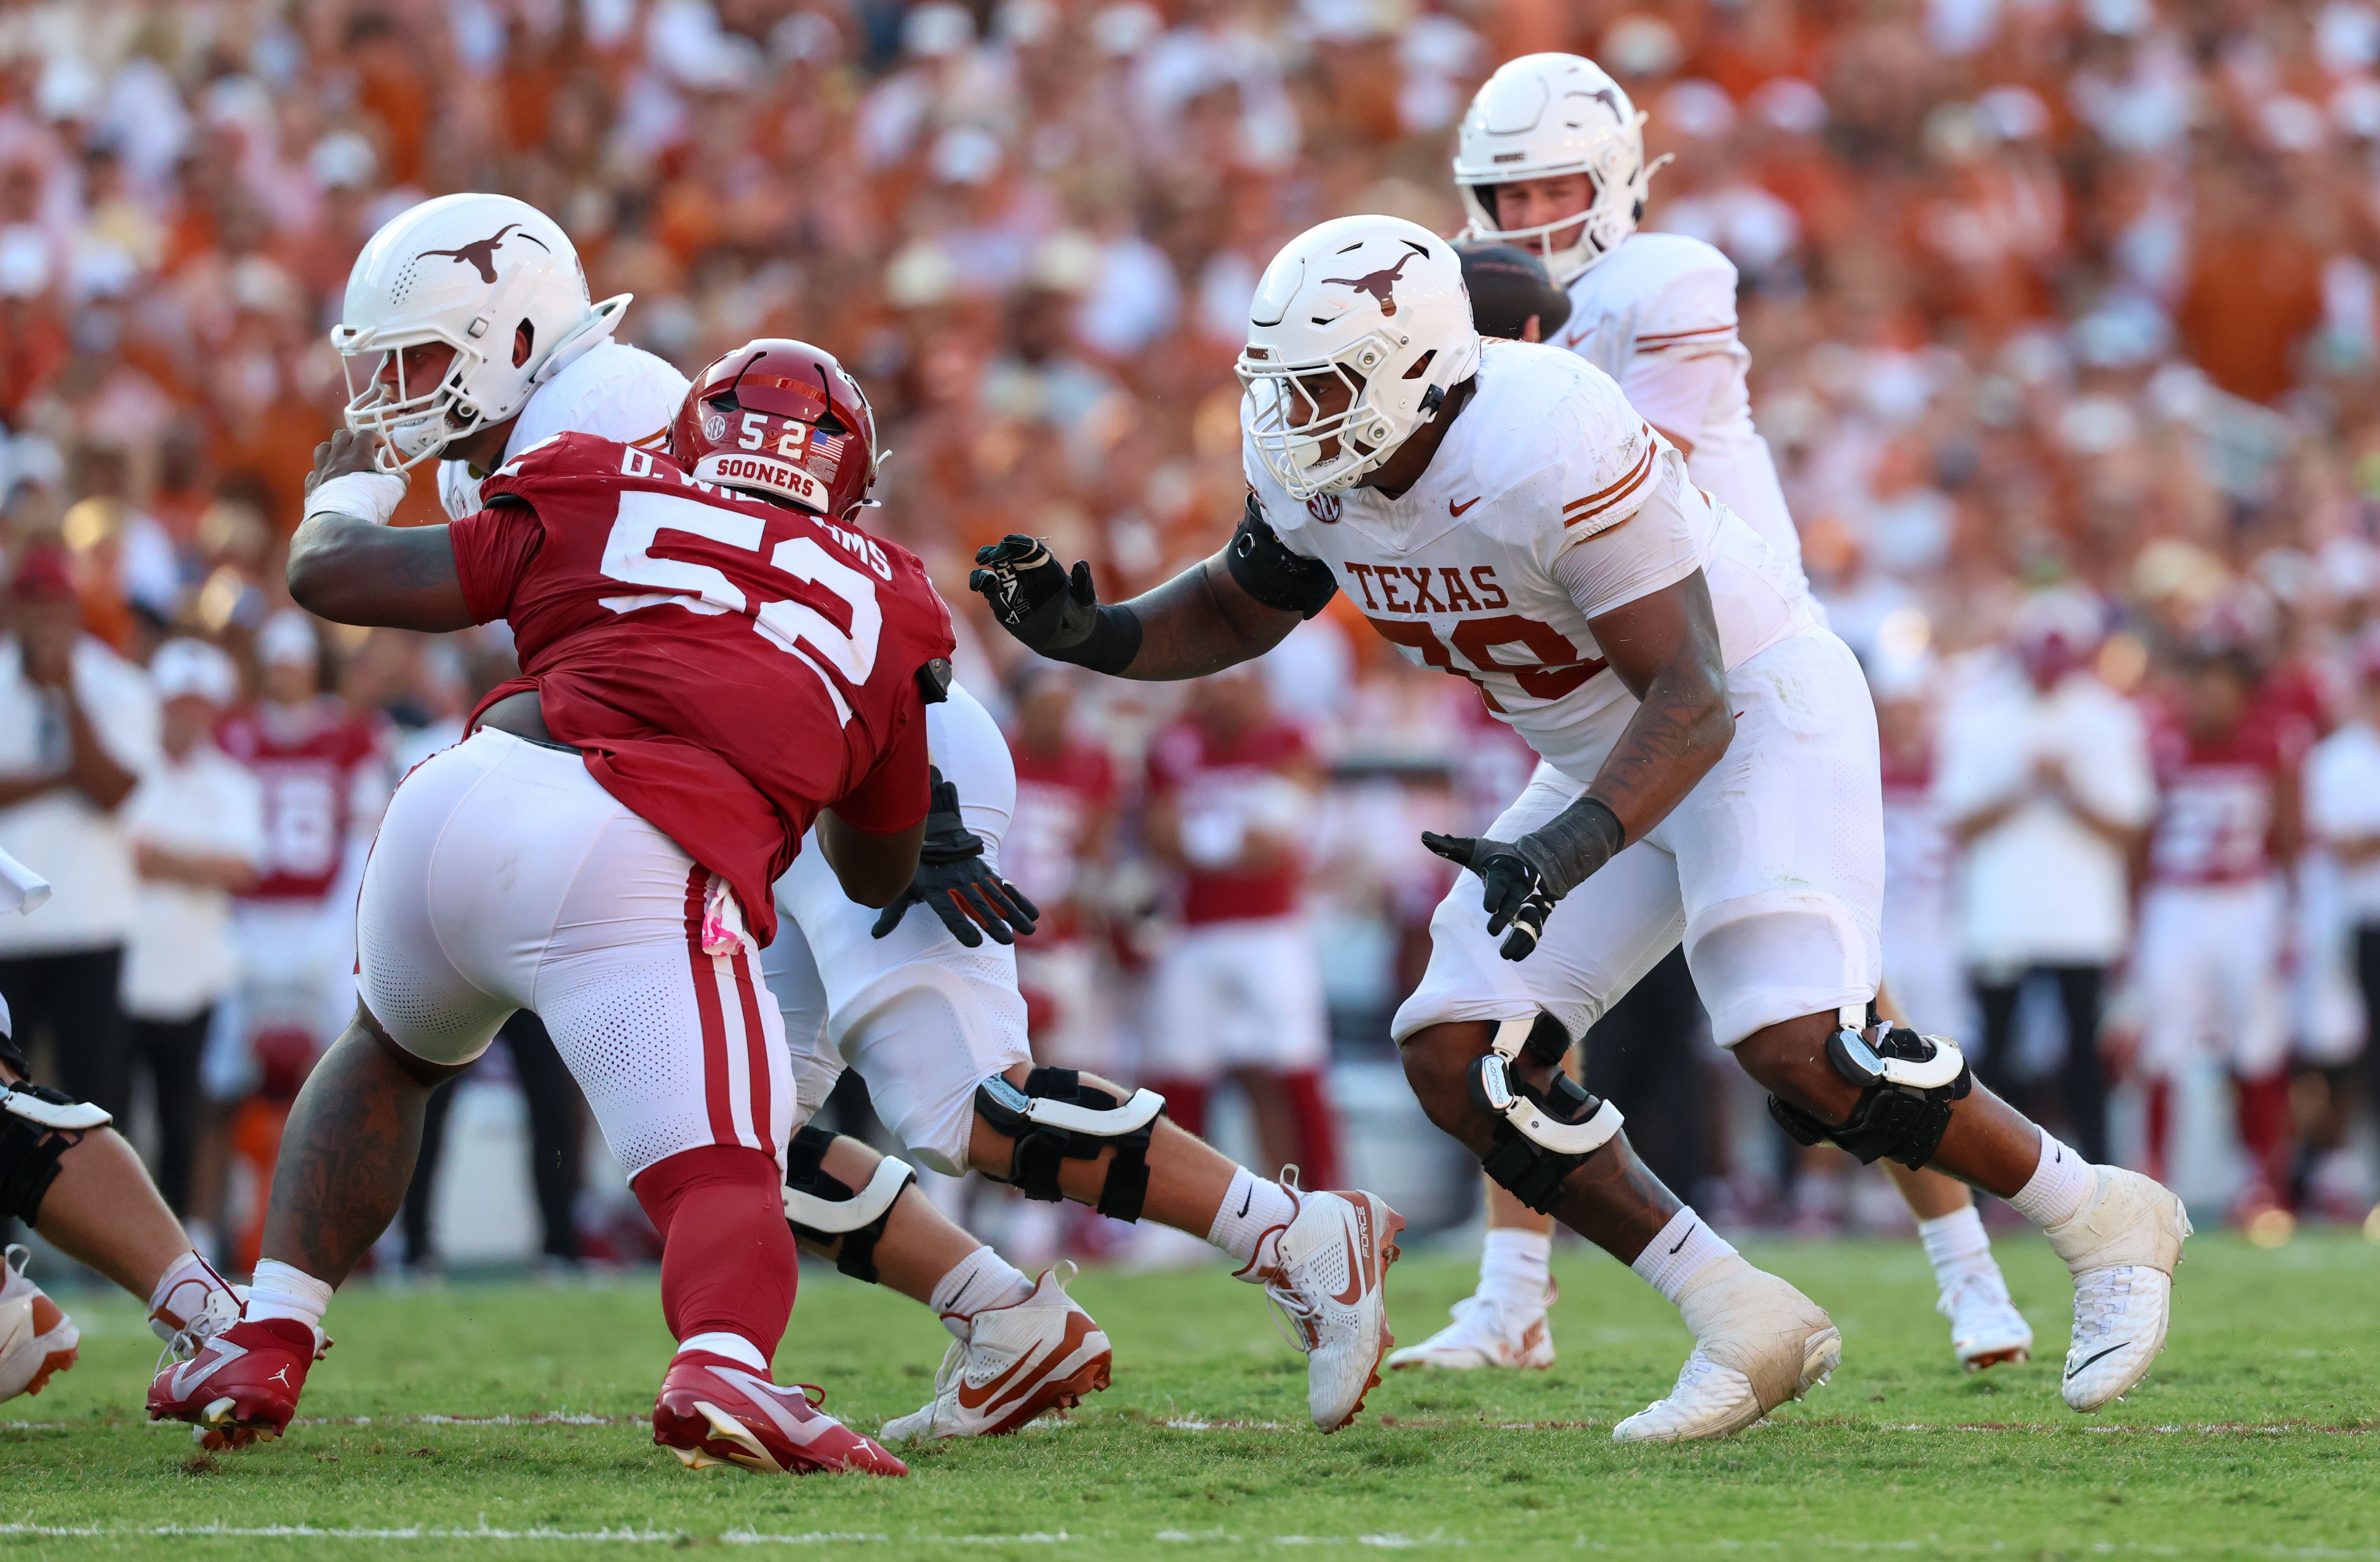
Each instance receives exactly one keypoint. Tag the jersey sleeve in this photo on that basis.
(1660, 544)
(1686, 349)
(1610, 464)
(493, 550)
(892, 797)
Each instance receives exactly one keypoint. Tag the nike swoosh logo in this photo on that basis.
(1358, 1270)
(1454, 508)
(1245, 1200)
(976, 1398)
(2109, 1352)
(1683, 1241)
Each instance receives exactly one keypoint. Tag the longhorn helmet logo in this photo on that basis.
(480, 253)
(1381, 284)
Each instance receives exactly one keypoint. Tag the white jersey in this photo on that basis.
(611, 391)
(1549, 503)
(1658, 315)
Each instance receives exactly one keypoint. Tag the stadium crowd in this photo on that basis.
(2065, 329)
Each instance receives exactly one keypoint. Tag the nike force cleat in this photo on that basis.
(1485, 1333)
(193, 1312)
(1010, 1365)
(712, 1411)
(1758, 1342)
(2121, 1247)
(1985, 1327)
(242, 1383)
(1324, 1279)
(36, 1337)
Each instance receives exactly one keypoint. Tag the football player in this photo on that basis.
(1710, 773)
(1551, 159)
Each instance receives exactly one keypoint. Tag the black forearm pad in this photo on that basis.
(1572, 845)
(1267, 571)
(1114, 642)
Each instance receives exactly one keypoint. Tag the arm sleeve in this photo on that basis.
(1616, 564)
(892, 796)
(494, 549)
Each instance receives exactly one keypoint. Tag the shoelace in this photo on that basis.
(1293, 1317)
(2098, 1303)
(191, 1338)
(1949, 1301)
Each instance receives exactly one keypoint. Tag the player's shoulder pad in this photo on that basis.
(1688, 298)
(1268, 570)
(1541, 409)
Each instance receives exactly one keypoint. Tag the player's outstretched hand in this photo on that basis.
(1033, 596)
(970, 899)
(345, 452)
(1516, 896)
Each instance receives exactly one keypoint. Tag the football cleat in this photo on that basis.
(36, 1337)
(193, 1312)
(1985, 1327)
(1485, 1333)
(712, 1411)
(1010, 1365)
(1758, 1342)
(1325, 1280)
(2121, 1247)
(242, 1383)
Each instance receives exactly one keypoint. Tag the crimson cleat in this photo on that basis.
(714, 1410)
(242, 1383)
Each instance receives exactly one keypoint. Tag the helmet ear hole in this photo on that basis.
(1421, 365)
(524, 342)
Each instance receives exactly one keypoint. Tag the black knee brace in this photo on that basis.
(37, 1126)
(822, 1209)
(1541, 1135)
(1907, 1083)
(1056, 1117)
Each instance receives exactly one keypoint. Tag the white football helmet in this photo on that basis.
(467, 271)
(1376, 303)
(1546, 115)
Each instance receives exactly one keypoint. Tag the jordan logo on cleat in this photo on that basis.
(281, 1375)
(2109, 1352)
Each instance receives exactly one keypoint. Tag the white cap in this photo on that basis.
(192, 667)
(288, 637)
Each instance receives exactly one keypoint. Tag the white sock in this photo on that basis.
(181, 1294)
(976, 1284)
(284, 1291)
(736, 1347)
(1251, 1207)
(2060, 1185)
(1684, 1248)
(1513, 1267)
(1957, 1246)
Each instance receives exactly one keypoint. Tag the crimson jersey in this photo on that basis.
(1224, 792)
(2217, 797)
(729, 666)
(1058, 797)
(323, 769)
(1917, 847)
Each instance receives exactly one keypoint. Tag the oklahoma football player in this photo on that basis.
(1550, 157)
(1709, 772)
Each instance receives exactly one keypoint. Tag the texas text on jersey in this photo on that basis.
(1580, 508)
(601, 553)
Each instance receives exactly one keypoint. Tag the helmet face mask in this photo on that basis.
(1542, 117)
(410, 398)
(1359, 328)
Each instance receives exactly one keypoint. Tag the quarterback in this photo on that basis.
(1710, 774)
(1551, 158)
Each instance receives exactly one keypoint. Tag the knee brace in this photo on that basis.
(37, 1126)
(1056, 1117)
(822, 1209)
(1907, 1083)
(1541, 1135)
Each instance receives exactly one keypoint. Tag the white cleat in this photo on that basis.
(37, 1338)
(1013, 1363)
(1485, 1333)
(1758, 1342)
(192, 1315)
(1985, 1327)
(1326, 1280)
(2121, 1247)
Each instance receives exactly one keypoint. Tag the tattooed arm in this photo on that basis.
(1665, 648)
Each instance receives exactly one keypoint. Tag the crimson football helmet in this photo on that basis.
(780, 418)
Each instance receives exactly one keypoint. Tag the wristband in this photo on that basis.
(1571, 846)
(1114, 642)
(371, 496)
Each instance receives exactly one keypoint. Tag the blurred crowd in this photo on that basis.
(2065, 330)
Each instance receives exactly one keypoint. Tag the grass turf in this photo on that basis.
(2257, 1435)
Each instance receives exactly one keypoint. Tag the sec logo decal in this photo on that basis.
(715, 427)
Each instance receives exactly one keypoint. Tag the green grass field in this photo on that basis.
(2257, 1436)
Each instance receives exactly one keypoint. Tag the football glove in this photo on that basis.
(970, 899)
(1048, 610)
(1517, 896)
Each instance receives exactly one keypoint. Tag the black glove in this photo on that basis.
(1035, 599)
(970, 897)
(1517, 894)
